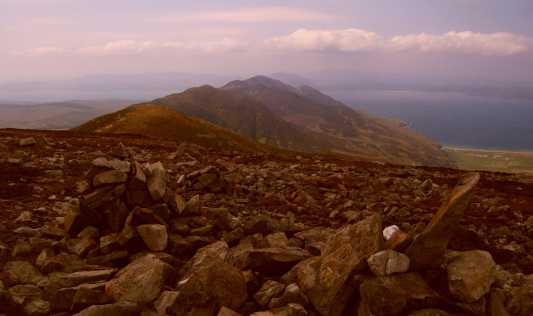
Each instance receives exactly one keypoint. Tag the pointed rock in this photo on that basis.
(428, 248)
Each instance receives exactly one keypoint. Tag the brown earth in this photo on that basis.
(307, 190)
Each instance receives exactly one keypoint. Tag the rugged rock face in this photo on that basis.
(229, 234)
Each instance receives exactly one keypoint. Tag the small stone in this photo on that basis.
(24, 293)
(157, 184)
(22, 248)
(109, 177)
(289, 310)
(224, 311)
(116, 309)
(89, 294)
(292, 294)
(24, 217)
(181, 204)
(193, 206)
(37, 307)
(388, 262)
(81, 246)
(28, 141)
(165, 301)
(277, 240)
(155, 236)
(269, 290)
(120, 165)
(22, 272)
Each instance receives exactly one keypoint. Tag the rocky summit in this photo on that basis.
(125, 225)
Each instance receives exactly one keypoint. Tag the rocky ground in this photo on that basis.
(123, 225)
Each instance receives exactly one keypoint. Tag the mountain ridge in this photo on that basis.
(270, 112)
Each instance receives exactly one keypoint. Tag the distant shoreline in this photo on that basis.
(488, 150)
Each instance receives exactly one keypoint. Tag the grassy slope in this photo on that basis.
(492, 160)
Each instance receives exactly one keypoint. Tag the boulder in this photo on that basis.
(388, 262)
(208, 282)
(141, 281)
(470, 275)
(213, 284)
(392, 295)
(428, 248)
(326, 279)
(155, 236)
(109, 177)
(116, 309)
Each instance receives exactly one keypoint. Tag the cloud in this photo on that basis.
(488, 44)
(356, 40)
(39, 51)
(249, 15)
(118, 47)
(135, 47)
(347, 40)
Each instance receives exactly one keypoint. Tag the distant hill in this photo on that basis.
(55, 115)
(271, 112)
(162, 122)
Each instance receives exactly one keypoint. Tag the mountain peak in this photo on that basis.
(259, 81)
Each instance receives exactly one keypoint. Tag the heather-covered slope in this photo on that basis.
(164, 123)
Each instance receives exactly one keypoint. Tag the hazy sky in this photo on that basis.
(465, 40)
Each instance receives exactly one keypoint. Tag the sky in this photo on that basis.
(414, 40)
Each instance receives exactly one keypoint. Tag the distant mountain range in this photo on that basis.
(55, 115)
(271, 112)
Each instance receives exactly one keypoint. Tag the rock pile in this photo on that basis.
(132, 244)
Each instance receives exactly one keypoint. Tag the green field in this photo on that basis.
(492, 160)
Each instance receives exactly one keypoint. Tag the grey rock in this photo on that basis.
(470, 275)
(388, 262)
(269, 290)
